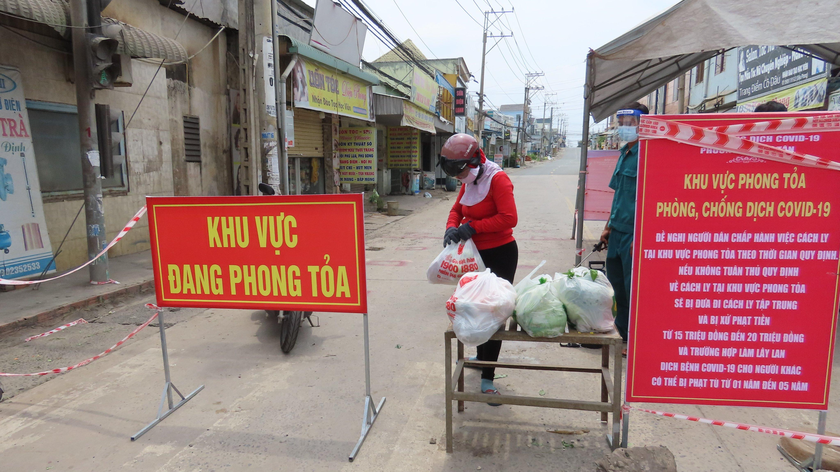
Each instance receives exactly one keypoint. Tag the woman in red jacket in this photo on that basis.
(486, 212)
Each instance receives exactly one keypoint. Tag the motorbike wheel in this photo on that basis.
(289, 328)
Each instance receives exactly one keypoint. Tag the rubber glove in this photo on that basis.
(465, 231)
(451, 236)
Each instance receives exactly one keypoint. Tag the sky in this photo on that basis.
(549, 36)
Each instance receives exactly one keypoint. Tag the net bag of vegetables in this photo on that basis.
(479, 307)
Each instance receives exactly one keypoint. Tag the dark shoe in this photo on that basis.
(592, 346)
(492, 391)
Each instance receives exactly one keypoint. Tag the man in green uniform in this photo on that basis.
(618, 232)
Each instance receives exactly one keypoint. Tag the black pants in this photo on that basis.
(501, 261)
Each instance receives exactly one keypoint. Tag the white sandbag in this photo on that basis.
(479, 307)
(453, 262)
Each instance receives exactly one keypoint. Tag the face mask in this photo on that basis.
(628, 133)
(470, 178)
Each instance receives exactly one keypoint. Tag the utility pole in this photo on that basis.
(529, 77)
(484, 51)
(550, 129)
(542, 133)
(92, 184)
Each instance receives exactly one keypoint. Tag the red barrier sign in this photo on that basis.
(735, 276)
(281, 252)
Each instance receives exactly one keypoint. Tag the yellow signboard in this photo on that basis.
(415, 117)
(321, 88)
(424, 90)
(403, 148)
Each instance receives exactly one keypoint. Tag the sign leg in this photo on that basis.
(168, 387)
(371, 412)
(818, 449)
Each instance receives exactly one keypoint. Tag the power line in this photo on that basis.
(412, 29)
(523, 35)
(468, 13)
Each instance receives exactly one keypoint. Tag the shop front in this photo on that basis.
(332, 121)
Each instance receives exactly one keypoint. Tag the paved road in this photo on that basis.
(263, 410)
(567, 164)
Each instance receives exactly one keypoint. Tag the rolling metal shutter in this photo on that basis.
(309, 134)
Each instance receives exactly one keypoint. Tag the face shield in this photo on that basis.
(628, 125)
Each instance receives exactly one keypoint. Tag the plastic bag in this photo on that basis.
(479, 307)
(454, 261)
(588, 298)
(538, 310)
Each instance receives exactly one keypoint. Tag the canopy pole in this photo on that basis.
(584, 145)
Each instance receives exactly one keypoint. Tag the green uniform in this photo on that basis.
(622, 218)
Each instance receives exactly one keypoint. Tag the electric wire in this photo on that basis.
(468, 13)
(12, 30)
(412, 28)
(516, 16)
(178, 33)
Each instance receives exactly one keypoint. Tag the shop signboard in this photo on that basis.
(357, 155)
(735, 270)
(460, 101)
(416, 117)
(424, 90)
(260, 252)
(801, 97)
(25, 249)
(403, 148)
(321, 88)
(764, 70)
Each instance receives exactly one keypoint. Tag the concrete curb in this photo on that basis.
(55, 313)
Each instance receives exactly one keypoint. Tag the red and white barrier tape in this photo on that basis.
(710, 138)
(88, 361)
(789, 125)
(53, 331)
(122, 233)
(811, 437)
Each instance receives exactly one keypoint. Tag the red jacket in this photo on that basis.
(493, 219)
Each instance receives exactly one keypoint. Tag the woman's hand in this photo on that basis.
(451, 236)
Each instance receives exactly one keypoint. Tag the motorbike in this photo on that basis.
(289, 321)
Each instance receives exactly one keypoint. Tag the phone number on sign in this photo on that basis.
(21, 268)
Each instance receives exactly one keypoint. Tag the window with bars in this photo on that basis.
(192, 139)
(701, 72)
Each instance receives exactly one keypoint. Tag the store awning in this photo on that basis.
(654, 53)
(307, 51)
(133, 41)
(395, 111)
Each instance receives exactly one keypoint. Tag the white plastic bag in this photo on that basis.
(454, 261)
(538, 310)
(588, 298)
(479, 307)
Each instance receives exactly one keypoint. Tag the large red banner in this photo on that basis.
(735, 277)
(280, 252)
